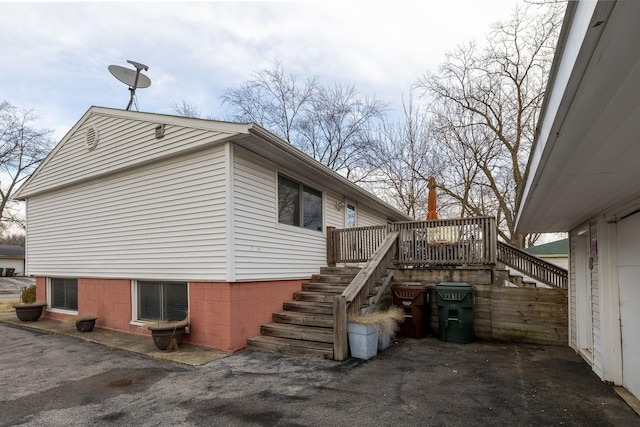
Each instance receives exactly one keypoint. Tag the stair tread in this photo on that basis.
(306, 319)
(313, 296)
(293, 342)
(310, 303)
(309, 307)
(288, 326)
(291, 346)
(298, 332)
(302, 314)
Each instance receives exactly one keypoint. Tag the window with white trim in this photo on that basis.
(298, 204)
(166, 301)
(64, 293)
(350, 216)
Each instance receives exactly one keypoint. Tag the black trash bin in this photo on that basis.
(455, 311)
(414, 300)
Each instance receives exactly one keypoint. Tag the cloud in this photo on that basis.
(58, 53)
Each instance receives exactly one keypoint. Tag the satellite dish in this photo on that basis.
(132, 78)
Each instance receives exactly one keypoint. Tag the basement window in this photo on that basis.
(64, 294)
(164, 301)
(299, 205)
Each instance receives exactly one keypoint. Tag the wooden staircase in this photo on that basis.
(305, 325)
(528, 265)
(504, 276)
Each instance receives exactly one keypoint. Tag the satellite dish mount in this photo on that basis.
(132, 78)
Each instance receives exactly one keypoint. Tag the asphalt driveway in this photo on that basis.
(56, 380)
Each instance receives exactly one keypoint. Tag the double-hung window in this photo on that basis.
(64, 294)
(162, 301)
(298, 204)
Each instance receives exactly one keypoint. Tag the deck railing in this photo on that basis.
(360, 291)
(354, 244)
(532, 266)
(446, 242)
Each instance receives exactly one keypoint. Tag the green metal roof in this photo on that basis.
(559, 247)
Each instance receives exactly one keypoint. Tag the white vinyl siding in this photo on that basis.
(265, 249)
(572, 290)
(123, 143)
(334, 217)
(628, 273)
(368, 218)
(162, 221)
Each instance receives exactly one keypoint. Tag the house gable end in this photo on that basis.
(107, 141)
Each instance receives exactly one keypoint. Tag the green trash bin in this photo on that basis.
(455, 311)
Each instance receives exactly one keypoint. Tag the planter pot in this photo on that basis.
(85, 325)
(363, 340)
(384, 341)
(168, 338)
(29, 312)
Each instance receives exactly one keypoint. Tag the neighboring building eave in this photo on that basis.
(556, 193)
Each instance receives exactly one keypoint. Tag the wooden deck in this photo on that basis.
(314, 322)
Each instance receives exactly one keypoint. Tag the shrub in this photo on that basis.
(29, 295)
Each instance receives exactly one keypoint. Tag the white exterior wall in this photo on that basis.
(607, 298)
(122, 143)
(263, 248)
(368, 218)
(161, 221)
(628, 236)
(334, 217)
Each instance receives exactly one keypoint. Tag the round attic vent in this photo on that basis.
(91, 137)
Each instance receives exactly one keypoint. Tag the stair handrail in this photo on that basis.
(532, 266)
(354, 296)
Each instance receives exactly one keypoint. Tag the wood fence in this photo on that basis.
(528, 315)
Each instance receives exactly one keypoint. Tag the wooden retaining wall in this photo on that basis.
(528, 315)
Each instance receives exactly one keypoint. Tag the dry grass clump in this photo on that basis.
(7, 306)
(384, 321)
(167, 323)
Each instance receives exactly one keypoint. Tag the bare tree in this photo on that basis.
(273, 99)
(401, 156)
(486, 103)
(22, 148)
(336, 129)
(330, 124)
(185, 108)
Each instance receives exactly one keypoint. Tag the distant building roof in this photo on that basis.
(11, 251)
(559, 247)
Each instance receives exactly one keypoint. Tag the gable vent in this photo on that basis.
(91, 137)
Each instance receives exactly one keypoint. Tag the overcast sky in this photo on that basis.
(55, 55)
